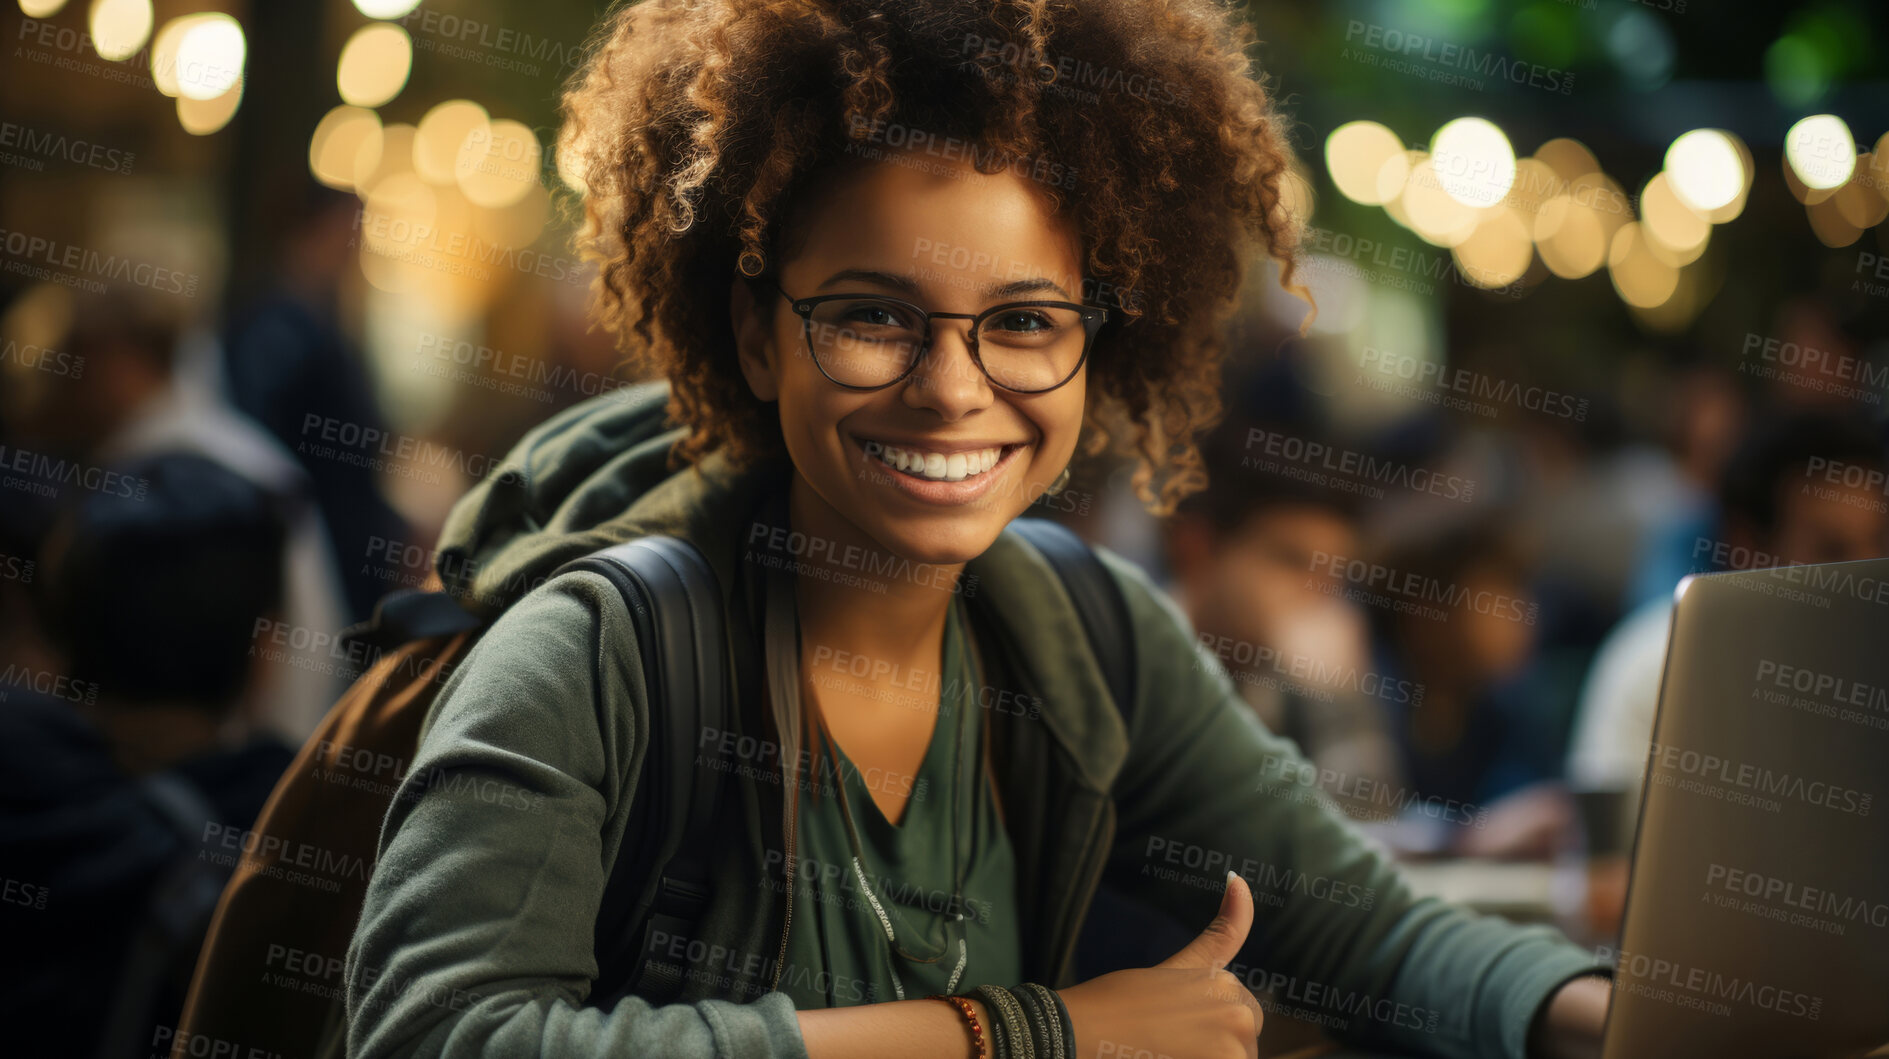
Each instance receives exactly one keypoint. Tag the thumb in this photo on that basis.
(1220, 942)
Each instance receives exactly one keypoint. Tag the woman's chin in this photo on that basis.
(941, 546)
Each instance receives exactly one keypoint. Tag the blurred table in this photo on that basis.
(1526, 891)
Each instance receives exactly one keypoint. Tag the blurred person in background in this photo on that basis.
(1770, 514)
(149, 387)
(1482, 749)
(116, 771)
(287, 357)
(1299, 651)
(1702, 417)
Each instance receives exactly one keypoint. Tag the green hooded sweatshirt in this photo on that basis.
(476, 935)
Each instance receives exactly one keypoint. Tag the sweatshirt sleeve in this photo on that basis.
(475, 938)
(1337, 936)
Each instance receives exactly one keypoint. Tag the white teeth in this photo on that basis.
(936, 465)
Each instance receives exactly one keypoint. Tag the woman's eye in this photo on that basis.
(1020, 320)
(876, 316)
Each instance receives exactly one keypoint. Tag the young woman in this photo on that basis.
(899, 262)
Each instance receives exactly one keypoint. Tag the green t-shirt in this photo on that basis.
(838, 953)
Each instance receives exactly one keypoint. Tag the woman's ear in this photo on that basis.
(754, 346)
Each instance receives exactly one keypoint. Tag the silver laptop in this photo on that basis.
(1757, 919)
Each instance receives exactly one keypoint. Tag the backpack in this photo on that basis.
(270, 976)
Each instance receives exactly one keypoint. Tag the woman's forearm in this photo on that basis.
(909, 1029)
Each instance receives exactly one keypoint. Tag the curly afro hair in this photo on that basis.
(694, 124)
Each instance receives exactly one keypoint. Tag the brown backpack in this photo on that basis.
(281, 931)
(270, 979)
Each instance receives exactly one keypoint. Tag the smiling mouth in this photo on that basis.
(935, 466)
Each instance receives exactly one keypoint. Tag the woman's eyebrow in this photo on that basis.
(909, 285)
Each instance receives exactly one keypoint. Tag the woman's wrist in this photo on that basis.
(910, 1029)
(1572, 1020)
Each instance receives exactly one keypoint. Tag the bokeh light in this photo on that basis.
(1570, 237)
(1820, 151)
(120, 27)
(1434, 214)
(497, 165)
(1643, 280)
(374, 64)
(385, 8)
(1569, 158)
(1473, 161)
(210, 56)
(1704, 169)
(1355, 153)
(1497, 252)
(337, 143)
(1674, 232)
(441, 133)
(201, 117)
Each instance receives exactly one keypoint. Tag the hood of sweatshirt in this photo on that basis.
(591, 476)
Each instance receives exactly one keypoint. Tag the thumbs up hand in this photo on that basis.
(1185, 1007)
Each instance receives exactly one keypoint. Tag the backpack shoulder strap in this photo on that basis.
(675, 603)
(1098, 602)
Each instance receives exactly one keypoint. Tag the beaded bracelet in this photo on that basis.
(970, 1017)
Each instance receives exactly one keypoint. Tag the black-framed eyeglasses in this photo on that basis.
(871, 341)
